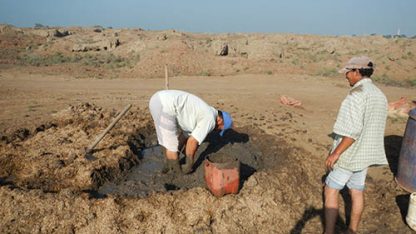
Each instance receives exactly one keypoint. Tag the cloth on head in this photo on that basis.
(228, 122)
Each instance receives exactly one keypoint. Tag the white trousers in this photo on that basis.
(165, 124)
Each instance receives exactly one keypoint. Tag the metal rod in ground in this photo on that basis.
(166, 77)
(101, 136)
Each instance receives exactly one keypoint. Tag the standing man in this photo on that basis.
(358, 142)
(183, 119)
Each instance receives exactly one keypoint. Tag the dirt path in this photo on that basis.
(28, 99)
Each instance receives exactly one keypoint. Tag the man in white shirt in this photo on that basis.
(183, 119)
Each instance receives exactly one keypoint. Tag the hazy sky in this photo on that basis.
(328, 17)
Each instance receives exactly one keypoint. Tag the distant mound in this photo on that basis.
(98, 52)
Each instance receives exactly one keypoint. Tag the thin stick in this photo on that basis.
(101, 136)
(166, 77)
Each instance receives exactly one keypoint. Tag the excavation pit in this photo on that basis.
(146, 177)
(127, 162)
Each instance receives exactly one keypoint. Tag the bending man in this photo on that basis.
(183, 119)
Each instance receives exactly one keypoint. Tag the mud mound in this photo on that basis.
(267, 197)
(181, 209)
(51, 157)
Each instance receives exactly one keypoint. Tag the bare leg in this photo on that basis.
(171, 155)
(357, 208)
(331, 209)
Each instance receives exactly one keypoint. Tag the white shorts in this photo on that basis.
(165, 124)
(340, 177)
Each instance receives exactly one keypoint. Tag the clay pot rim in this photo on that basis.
(232, 164)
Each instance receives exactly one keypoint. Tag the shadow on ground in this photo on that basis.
(312, 212)
(392, 146)
(216, 142)
(402, 202)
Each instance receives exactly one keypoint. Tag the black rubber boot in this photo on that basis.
(171, 166)
(187, 167)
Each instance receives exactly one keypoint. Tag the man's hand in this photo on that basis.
(345, 143)
(331, 160)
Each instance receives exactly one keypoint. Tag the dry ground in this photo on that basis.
(54, 101)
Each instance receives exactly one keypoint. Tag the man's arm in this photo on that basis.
(345, 143)
(191, 147)
(190, 150)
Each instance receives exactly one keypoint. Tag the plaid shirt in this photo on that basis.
(362, 116)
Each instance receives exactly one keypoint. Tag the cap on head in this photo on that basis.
(359, 62)
(228, 122)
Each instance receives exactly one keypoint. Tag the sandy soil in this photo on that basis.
(38, 196)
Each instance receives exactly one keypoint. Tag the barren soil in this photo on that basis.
(50, 114)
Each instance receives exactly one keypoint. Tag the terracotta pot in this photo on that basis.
(222, 177)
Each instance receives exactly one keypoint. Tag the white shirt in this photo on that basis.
(194, 116)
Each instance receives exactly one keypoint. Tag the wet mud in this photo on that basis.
(128, 161)
(147, 177)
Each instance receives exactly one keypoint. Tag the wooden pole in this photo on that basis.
(166, 77)
(101, 136)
